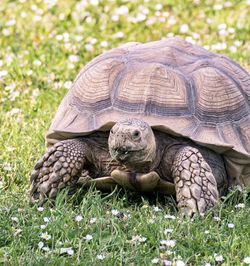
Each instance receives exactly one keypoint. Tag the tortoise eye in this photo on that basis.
(112, 131)
(136, 134)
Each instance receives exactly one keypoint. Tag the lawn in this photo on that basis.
(43, 45)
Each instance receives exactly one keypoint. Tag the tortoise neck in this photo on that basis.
(163, 143)
(139, 168)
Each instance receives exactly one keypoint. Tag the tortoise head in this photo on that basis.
(132, 143)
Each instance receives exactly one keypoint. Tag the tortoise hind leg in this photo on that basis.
(57, 168)
(196, 186)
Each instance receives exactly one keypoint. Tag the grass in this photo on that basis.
(43, 45)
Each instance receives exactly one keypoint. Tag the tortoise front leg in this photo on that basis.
(106, 183)
(143, 181)
(196, 186)
(58, 168)
(136, 181)
(118, 177)
(131, 180)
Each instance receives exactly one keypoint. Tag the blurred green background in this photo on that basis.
(43, 45)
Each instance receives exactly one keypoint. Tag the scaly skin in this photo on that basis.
(193, 170)
(196, 186)
(57, 169)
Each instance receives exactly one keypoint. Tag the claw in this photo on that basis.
(32, 188)
(34, 175)
(39, 164)
(45, 187)
(51, 160)
(53, 193)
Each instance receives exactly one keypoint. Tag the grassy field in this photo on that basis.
(43, 44)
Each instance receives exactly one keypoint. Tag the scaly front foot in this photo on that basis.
(58, 168)
(196, 187)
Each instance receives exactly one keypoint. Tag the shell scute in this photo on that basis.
(218, 97)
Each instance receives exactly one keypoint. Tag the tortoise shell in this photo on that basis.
(176, 87)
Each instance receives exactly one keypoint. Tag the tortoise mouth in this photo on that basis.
(126, 155)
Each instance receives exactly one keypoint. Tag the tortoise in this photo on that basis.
(165, 116)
